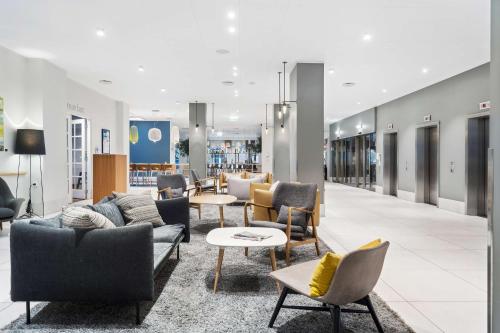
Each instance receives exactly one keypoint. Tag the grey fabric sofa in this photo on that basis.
(52, 264)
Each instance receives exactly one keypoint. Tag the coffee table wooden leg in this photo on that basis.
(273, 264)
(221, 216)
(218, 268)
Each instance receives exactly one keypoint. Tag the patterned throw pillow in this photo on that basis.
(298, 217)
(111, 211)
(138, 209)
(84, 218)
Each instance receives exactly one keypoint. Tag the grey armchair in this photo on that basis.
(166, 182)
(203, 184)
(300, 199)
(355, 278)
(9, 205)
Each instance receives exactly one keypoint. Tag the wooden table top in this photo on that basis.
(213, 199)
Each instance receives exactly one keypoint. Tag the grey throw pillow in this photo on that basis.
(298, 218)
(111, 211)
(84, 218)
(138, 209)
(177, 192)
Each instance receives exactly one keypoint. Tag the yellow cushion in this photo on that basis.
(371, 245)
(323, 274)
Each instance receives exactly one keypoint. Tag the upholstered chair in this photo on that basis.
(171, 186)
(354, 279)
(294, 205)
(203, 185)
(9, 205)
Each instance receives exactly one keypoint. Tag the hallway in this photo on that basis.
(435, 271)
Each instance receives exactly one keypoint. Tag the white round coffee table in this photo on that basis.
(223, 237)
(214, 199)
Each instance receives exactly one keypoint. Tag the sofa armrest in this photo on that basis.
(64, 264)
(175, 211)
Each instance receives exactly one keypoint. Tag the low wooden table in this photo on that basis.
(222, 237)
(214, 199)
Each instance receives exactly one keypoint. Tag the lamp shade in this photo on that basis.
(29, 142)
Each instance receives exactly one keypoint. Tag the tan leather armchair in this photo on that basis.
(356, 276)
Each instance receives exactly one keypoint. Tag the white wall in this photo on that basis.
(267, 149)
(36, 94)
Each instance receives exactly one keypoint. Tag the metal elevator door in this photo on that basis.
(477, 165)
(390, 164)
(427, 165)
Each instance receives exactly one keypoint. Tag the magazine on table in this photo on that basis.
(247, 235)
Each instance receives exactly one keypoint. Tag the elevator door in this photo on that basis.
(427, 165)
(391, 164)
(477, 165)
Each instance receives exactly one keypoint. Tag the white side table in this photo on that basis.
(222, 237)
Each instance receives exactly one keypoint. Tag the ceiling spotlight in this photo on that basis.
(251, 83)
(367, 37)
(222, 51)
(156, 110)
(105, 82)
(384, 90)
(235, 68)
(236, 93)
(100, 33)
(231, 15)
(235, 74)
(140, 69)
(163, 90)
(425, 70)
(331, 71)
(237, 111)
(177, 103)
(359, 103)
(349, 84)
(231, 30)
(228, 83)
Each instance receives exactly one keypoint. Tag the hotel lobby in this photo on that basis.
(249, 166)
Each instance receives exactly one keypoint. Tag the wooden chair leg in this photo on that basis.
(277, 309)
(316, 243)
(287, 254)
(199, 212)
(373, 314)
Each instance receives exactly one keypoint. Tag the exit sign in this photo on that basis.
(483, 106)
(428, 117)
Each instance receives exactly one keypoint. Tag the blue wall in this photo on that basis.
(145, 151)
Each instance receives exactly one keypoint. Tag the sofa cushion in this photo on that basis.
(240, 188)
(6, 213)
(138, 209)
(52, 222)
(161, 251)
(111, 211)
(168, 233)
(84, 218)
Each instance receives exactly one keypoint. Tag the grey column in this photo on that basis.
(307, 122)
(494, 324)
(198, 138)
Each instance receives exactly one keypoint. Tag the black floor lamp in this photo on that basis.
(30, 142)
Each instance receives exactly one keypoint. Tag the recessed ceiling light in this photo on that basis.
(235, 74)
(331, 71)
(349, 84)
(237, 111)
(105, 82)
(163, 90)
(222, 51)
(367, 37)
(384, 90)
(235, 68)
(228, 83)
(100, 33)
(177, 103)
(251, 83)
(231, 15)
(155, 110)
(359, 103)
(140, 69)
(231, 30)
(425, 70)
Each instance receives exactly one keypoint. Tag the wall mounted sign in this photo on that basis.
(483, 106)
(105, 141)
(390, 126)
(428, 117)
(2, 127)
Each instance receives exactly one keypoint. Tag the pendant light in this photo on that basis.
(196, 115)
(266, 121)
(154, 134)
(284, 107)
(134, 134)
(213, 126)
(279, 95)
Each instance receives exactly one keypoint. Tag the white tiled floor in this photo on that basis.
(435, 271)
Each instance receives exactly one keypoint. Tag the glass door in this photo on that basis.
(79, 158)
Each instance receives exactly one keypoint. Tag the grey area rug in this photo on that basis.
(185, 301)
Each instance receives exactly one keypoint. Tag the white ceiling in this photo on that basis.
(176, 41)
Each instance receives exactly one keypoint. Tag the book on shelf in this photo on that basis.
(247, 235)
